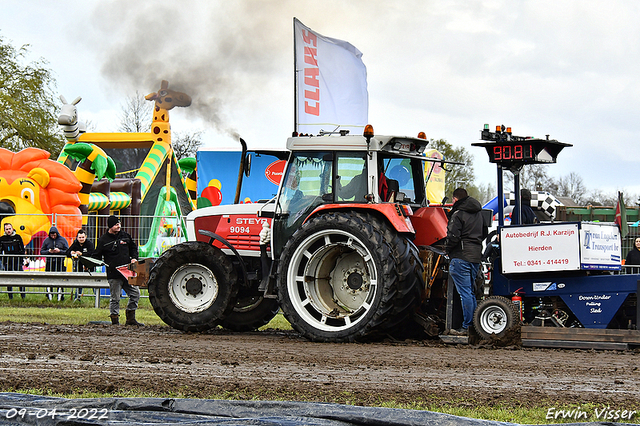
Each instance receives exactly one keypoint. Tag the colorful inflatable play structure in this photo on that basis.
(218, 171)
(32, 189)
(147, 182)
(135, 175)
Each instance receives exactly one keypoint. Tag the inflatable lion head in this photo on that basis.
(34, 189)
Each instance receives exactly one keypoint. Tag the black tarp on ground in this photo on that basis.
(159, 411)
(39, 410)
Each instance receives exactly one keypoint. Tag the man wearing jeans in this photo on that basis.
(464, 247)
(118, 249)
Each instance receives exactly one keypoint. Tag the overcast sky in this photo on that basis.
(567, 68)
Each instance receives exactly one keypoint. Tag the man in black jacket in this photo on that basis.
(11, 243)
(81, 246)
(465, 233)
(118, 249)
(528, 216)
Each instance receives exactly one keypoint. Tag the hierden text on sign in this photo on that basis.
(539, 248)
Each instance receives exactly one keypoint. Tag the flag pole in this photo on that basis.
(295, 81)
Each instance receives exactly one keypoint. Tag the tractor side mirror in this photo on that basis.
(247, 165)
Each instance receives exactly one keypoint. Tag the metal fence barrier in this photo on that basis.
(53, 275)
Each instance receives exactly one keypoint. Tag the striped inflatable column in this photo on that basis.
(191, 181)
(62, 158)
(86, 177)
(119, 201)
(97, 202)
(152, 165)
(93, 162)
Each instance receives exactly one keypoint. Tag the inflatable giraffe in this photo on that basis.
(165, 100)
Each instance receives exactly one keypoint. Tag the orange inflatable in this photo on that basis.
(33, 189)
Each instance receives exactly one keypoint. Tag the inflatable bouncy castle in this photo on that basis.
(134, 175)
(33, 188)
(148, 178)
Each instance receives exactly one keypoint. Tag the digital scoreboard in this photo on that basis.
(511, 151)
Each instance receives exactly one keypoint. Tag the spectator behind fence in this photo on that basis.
(633, 257)
(11, 244)
(81, 247)
(118, 249)
(54, 247)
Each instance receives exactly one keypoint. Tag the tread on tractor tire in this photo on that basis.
(347, 276)
(251, 312)
(193, 286)
(410, 284)
(497, 318)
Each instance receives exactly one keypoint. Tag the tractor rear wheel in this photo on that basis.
(192, 286)
(497, 318)
(345, 276)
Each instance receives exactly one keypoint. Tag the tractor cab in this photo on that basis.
(345, 172)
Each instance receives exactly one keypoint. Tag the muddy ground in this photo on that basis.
(282, 365)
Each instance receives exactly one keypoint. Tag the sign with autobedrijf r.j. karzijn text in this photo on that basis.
(540, 248)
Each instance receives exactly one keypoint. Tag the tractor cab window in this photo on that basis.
(308, 178)
(307, 184)
(351, 177)
(404, 177)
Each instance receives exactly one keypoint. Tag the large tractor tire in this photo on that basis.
(251, 312)
(192, 286)
(346, 276)
(497, 319)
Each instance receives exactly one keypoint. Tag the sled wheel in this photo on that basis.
(496, 317)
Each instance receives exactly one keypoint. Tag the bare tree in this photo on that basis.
(598, 198)
(573, 187)
(136, 114)
(482, 193)
(186, 144)
(534, 177)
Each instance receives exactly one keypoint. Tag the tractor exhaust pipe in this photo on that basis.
(240, 170)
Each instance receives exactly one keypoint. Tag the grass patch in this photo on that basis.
(36, 307)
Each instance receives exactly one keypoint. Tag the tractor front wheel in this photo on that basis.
(192, 286)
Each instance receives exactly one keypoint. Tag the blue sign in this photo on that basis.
(218, 177)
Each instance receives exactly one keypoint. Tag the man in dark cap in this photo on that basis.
(528, 216)
(118, 249)
(11, 244)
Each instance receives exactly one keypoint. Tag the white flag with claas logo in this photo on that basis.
(331, 83)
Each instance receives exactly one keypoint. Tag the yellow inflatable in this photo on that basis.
(33, 189)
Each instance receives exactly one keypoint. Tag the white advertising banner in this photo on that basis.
(540, 248)
(600, 246)
(331, 83)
